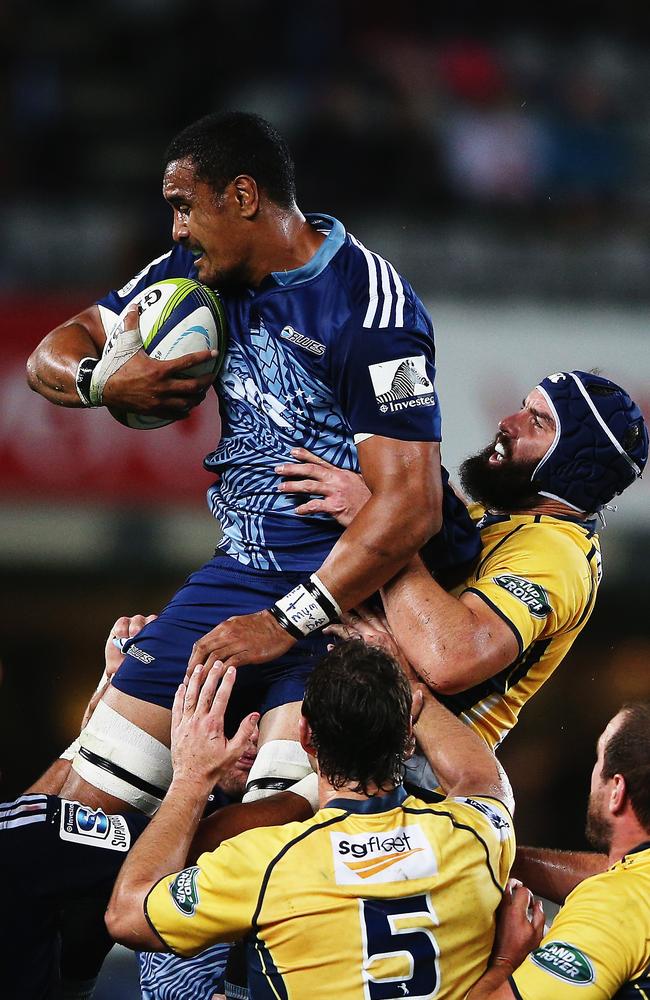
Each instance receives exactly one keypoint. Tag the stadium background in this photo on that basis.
(499, 159)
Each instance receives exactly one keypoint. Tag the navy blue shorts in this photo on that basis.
(58, 863)
(156, 659)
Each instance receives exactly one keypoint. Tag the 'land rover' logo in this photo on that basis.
(531, 594)
(184, 892)
(564, 961)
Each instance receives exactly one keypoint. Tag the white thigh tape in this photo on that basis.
(279, 765)
(71, 752)
(308, 788)
(119, 758)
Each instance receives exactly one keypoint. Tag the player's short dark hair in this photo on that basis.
(358, 705)
(628, 753)
(224, 145)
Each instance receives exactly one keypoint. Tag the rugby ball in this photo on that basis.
(178, 316)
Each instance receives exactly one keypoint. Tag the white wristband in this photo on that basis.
(325, 592)
(306, 608)
(303, 610)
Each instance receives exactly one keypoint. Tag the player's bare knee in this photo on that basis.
(281, 723)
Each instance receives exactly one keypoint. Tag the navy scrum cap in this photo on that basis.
(601, 441)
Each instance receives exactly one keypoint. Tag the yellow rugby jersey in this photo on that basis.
(599, 944)
(540, 574)
(369, 900)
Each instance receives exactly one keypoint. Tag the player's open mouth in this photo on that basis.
(245, 762)
(499, 454)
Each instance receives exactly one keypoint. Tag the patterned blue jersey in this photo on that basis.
(320, 357)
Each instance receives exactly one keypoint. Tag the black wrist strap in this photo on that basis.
(282, 620)
(83, 378)
(323, 598)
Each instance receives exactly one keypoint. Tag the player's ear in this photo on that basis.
(247, 195)
(618, 795)
(305, 737)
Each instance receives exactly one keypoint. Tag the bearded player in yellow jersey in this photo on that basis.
(379, 895)
(599, 944)
(487, 646)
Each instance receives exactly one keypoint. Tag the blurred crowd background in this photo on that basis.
(513, 145)
(498, 156)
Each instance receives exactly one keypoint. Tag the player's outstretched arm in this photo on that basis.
(520, 926)
(424, 617)
(139, 383)
(403, 511)
(554, 874)
(460, 759)
(200, 756)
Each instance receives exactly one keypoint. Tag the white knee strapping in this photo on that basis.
(279, 765)
(308, 788)
(72, 750)
(119, 758)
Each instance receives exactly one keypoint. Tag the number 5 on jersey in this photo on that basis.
(400, 951)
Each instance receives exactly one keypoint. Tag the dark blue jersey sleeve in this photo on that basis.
(176, 263)
(386, 375)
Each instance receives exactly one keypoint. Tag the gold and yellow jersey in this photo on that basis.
(540, 574)
(599, 944)
(369, 900)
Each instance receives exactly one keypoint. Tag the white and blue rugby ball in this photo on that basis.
(178, 316)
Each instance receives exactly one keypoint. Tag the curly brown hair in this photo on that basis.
(358, 705)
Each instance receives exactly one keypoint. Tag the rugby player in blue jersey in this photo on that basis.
(329, 349)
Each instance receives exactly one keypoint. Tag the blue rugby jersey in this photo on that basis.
(319, 357)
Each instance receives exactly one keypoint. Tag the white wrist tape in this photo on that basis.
(306, 608)
(119, 348)
(326, 594)
(83, 378)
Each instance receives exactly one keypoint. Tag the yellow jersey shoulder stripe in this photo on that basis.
(459, 826)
